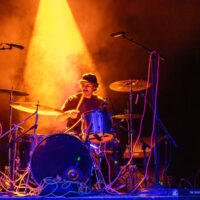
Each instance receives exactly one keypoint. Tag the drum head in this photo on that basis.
(61, 156)
(97, 123)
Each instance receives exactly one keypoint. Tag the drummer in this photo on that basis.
(77, 104)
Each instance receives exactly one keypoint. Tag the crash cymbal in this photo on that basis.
(127, 116)
(14, 92)
(31, 107)
(124, 85)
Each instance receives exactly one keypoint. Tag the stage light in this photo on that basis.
(57, 55)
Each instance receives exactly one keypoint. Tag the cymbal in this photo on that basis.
(127, 116)
(31, 107)
(14, 92)
(124, 85)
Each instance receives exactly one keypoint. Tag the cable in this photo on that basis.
(154, 117)
(141, 123)
(1, 129)
(61, 188)
(6, 182)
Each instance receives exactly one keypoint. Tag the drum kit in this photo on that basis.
(63, 155)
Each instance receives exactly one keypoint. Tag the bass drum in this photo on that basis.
(61, 156)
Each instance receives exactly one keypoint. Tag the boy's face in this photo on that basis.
(87, 88)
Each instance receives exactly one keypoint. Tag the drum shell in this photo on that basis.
(25, 147)
(98, 124)
(57, 154)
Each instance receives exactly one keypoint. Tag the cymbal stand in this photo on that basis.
(12, 152)
(160, 123)
(33, 144)
(155, 70)
(130, 130)
(87, 143)
(12, 148)
(130, 127)
(144, 146)
(130, 119)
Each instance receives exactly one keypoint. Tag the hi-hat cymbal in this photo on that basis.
(31, 107)
(14, 92)
(124, 85)
(127, 116)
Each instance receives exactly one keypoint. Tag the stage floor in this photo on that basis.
(171, 194)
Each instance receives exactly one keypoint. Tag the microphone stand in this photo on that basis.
(9, 46)
(144, 47)
(155, 112)
(154, 72)
(161, 124)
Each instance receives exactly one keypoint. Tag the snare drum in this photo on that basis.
(97, 123)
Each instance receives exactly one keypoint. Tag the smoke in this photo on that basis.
(49, 68)
(56, 59)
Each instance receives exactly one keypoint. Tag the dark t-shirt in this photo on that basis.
(94, 103)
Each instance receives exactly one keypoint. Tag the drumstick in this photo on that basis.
(79, 103)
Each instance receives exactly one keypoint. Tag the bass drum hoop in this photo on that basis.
(58, 154)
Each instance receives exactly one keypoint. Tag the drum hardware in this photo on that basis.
(12, 141)
(130, 86)
(24, 148)
(162, 125)
(9, 46)
(157, 139)
(127, 116)
(101, 130)
(97, 149)
(87, 142)
(13, 92)
(12, 146)
(154, 60)
(61, 156)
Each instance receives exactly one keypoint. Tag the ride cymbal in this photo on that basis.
(31, 107)
(14, 92)
(125, 85)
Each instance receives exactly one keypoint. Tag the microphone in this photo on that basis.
(137, 98)
(104, 104)
(16, 45)
(118, 34)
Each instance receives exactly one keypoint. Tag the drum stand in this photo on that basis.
(12, 146)
(97, 161)
(130, 131)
